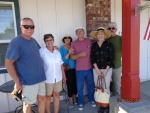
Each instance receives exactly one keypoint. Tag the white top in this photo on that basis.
(52, 65)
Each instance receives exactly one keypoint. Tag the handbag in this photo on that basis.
(66, 67)
(101, 94)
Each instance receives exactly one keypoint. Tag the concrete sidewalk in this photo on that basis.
(145, 90)
(65, 109)
(138, 107)
(145, 96)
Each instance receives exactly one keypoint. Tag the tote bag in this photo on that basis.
(101, 94)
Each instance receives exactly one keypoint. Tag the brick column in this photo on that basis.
(98, 13)
(130, 80)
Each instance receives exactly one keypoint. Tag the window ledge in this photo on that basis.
(3, 70)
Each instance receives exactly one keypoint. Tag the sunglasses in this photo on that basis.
(111, 28)
(67, 37)
(28, 26)
(48, 40)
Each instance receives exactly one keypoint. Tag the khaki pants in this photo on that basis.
(116, 78)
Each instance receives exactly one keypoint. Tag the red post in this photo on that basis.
(130, 81)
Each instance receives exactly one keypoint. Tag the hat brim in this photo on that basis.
(107, 33)
(65, 37)
(79, 28)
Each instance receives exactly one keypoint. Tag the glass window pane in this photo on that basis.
(3, 50)
(7, 30)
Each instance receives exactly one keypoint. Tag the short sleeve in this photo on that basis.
(13, 50)
(61, 61)
(72, 46)
(37, 44)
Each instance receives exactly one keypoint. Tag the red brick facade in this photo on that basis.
(98, 13)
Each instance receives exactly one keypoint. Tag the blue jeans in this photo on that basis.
(80, 76)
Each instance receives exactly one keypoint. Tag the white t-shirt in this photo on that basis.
(52, 65)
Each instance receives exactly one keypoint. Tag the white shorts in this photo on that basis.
(30, 92)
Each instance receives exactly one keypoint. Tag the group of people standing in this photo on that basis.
(40, 71)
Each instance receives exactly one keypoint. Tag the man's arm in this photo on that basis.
(77, 56)
(9, 64)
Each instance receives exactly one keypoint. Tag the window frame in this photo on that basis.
(16, 17)
(17, 13)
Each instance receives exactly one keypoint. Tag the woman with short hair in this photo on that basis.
(54, 71)
(65, 51)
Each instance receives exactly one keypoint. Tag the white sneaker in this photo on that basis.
(71, 106)
(75, 103)
(80, 106)
(93, 104)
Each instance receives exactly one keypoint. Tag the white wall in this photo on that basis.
(59, 17)
(144, 45)
(116, 14)
(7, 103)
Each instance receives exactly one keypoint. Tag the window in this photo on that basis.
(7, 23)
(9, 14)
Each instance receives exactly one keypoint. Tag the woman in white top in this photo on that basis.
(53, 66)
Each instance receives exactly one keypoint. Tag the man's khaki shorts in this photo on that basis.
(30, 92)
(53, 87)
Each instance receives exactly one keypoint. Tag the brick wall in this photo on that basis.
(98, 13)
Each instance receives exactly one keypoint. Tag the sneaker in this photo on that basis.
(71, 106)
(75, 103)
(16, 95)
(93, 104)
(81, 107)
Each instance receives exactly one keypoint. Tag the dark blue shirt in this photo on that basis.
(28, 63)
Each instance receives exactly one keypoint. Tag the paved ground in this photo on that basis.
(145, 94)
(65, 109)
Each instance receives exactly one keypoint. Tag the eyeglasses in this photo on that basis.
(111, 28)
(48, 40)
(28, 26)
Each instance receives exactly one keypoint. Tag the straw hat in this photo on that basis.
(100, 28)
(106, 32)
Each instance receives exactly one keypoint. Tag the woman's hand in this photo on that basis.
(98, 71)
(64, 78)
(56, 47)
(105, 72)
(71, 51)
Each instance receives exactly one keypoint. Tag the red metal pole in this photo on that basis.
(130, 81)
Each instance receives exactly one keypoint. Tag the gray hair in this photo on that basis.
(25, 19)
(113, 24)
